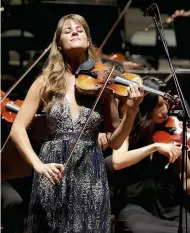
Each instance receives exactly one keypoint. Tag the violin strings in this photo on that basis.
(127, 82)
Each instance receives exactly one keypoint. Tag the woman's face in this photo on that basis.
(73, 38)
(160, 112)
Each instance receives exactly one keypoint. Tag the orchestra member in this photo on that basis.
(148, 173)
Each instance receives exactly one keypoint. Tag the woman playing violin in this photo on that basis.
(149, 191)
(74, 198)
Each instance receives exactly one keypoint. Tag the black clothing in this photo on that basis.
(149, 194)
(15, 195)
(135, 219)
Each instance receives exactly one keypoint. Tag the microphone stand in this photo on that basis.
(186, 111)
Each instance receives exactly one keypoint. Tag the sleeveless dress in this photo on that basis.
(80, 203)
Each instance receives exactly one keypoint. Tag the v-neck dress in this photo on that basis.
(80, 203)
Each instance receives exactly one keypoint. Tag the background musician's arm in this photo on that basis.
(123, 158)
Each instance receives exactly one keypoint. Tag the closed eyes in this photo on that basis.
(69, 30)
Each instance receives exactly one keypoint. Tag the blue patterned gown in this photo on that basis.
(80, 203)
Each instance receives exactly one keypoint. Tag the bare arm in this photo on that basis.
(117, 131)
(123, 158)
(19, 135)
(23, 120)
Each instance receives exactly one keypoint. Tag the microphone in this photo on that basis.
(150, 11)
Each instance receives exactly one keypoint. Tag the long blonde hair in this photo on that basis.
(53, 73)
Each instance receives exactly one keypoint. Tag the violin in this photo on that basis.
(91, 76)
(9, 108)
(172, 132)
(115, 57)
(13, 165)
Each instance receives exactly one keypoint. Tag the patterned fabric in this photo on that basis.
(80, 203)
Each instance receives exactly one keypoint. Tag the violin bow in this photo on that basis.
(25, 73)
(114, 26)
(91, 111)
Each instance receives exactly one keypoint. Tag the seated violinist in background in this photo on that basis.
(149, 192)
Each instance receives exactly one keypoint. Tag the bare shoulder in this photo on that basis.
(37, 85)
(39, 82)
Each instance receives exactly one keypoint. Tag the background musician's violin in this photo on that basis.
(12, 164)
(115, 57)
(9, 108)
(171, 132)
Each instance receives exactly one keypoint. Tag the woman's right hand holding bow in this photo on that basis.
(53, 171)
